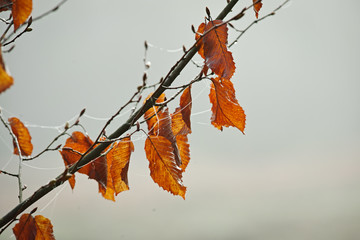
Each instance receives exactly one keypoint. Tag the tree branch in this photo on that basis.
(96, 152)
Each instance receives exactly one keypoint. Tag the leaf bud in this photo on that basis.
(28, 29)
(66, 127)
(30, 21)
(144, 77)
(34, 210)
(145, 45)
(184, 48)
(240, 15)
(58, 147)
(137, 126)
(193, 28)
(82, 112)
(207, 11)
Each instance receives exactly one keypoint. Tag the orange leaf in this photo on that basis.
(214, 50)
(185, 106)
(25, 229)
(118, 164)
(5, 79)
(184, 150)
(200, 44)
(22, 135)
(226, 110)
(160, 125)
(38, 228)
(44, 228)
(21, 10)
(151, 114)
(181, 126)
(163, 168)
(77, 144)
(257, 7)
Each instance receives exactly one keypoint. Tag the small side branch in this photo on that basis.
(18, 176)
(242, 32)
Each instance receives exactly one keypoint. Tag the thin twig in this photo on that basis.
(7, 173)
(256, 21)
(64, 132)
(20, 186)
(27, 29)
(50, 11)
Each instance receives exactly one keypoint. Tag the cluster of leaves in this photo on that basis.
(166, 146)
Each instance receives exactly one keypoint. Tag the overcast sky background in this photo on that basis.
(294, 175)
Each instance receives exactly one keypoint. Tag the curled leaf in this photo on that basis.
(5, 79)
(257, 7)
(22, 135)
(118, 160)
(184, 150)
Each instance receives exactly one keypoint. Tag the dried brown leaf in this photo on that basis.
(22, 135)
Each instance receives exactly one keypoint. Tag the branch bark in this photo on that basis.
(96, 152)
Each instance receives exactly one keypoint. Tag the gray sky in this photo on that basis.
(294, 175)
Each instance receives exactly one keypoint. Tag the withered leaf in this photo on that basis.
(22, 135)
(163, 168)
(118, 160)
(257, 7)
(38, 228)
(151, 114)
(78, 144)
(5, 79)
(21, 10)
(213, 48)
(226, 110)
(160, 125)
(184, 150)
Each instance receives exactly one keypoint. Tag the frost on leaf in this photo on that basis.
(226, 110)
(118, 159)
(257, 7)
(163, 168)
(21, 10)
(38, 228)
(213, 48)
(22, 135)
(71, 152)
